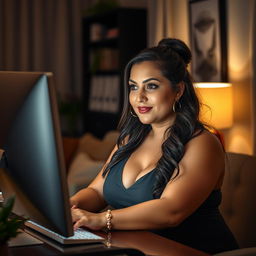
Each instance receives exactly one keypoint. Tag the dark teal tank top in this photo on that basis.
(205, 229)
(118, 196)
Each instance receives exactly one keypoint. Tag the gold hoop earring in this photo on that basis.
(174, 107)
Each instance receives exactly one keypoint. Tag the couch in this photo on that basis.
(239, 204)
(85, 157)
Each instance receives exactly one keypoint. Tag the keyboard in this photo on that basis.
(80, 236)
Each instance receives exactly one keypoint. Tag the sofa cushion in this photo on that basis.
(82, 171)
(239, 204)
(89, 158)
(97, 149)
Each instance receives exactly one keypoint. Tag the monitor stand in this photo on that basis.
(23, 239)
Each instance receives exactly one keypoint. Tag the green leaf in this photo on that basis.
(9, 227)
(6, 209)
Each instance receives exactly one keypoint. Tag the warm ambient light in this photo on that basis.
(217, 106)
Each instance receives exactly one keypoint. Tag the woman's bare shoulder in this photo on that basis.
(205, 146)
(206, 139)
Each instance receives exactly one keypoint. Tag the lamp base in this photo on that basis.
(219, 135)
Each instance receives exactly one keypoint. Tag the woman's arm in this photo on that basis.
(91, 198)
(88, 199)
(200, 171)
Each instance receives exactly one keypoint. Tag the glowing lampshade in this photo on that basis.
(217, 104)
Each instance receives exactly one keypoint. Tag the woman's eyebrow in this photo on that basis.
(145, 81)
(149, 79)
(130, 80)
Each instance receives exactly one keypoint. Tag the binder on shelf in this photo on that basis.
(104, 94)
(111, 95)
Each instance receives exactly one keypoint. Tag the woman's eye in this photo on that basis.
(152, 86)
(132, 87)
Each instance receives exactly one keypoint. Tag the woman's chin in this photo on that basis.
(145, 120)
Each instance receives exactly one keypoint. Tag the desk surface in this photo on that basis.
(146, 242)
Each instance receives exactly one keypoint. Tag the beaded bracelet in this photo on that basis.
(109, 217)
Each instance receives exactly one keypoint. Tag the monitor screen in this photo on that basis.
(32, 165)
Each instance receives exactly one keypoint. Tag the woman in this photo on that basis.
(166, 171)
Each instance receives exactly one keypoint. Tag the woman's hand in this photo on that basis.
(82, 218)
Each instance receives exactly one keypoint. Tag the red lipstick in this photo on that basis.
(143, 110)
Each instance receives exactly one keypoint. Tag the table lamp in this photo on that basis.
(217, 104)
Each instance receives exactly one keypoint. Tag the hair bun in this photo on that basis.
(178, 46)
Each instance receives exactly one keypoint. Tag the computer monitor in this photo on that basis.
(32, 165)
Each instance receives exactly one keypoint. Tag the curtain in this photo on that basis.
(253, 71)
(43, 35)
(168, 18)
(159, 20)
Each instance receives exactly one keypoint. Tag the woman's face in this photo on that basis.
(151, 94)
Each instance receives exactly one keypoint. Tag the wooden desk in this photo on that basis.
(152, 244)
(146, 242)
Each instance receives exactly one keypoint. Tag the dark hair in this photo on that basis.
(172, 56)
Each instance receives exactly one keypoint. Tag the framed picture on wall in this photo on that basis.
(208, 40)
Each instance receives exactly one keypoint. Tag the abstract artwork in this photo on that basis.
(208, 40)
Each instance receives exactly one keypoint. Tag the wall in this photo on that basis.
(239, 138)
(180, 19)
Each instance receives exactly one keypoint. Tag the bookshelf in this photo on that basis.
(110, 40)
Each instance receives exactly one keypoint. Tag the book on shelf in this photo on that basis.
(104, 59)
(112, 33)
(108, 59)
(97, 32)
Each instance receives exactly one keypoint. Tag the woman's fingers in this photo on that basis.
(76, 213)
(81, 223)
(82, 218)
(73, 206)
(79, 217)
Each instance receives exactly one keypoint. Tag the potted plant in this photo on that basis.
(9, 226)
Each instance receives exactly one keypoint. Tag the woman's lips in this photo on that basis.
(143, 110)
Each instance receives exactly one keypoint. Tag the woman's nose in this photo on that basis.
(141, 96)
